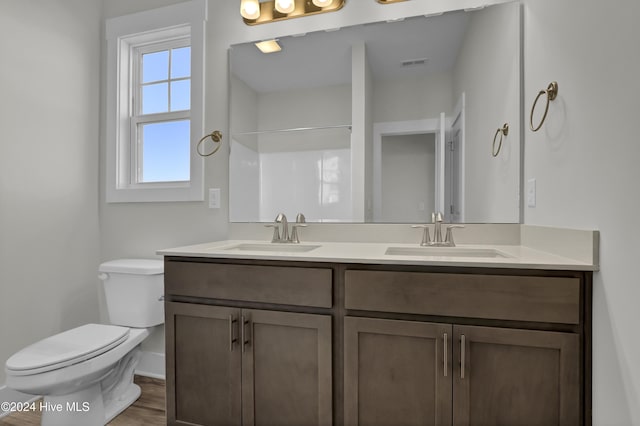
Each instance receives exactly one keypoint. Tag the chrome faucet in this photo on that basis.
(437, 220)
(283, 237)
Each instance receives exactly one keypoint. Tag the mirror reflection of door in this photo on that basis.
(454, 166)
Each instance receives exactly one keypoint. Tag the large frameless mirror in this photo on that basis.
(383, 122)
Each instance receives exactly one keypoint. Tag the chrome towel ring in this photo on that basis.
(551, 92)
(503, 131)
(216, 137)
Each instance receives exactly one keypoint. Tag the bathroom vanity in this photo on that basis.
(347, 334)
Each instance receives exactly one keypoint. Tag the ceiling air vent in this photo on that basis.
(414, 62)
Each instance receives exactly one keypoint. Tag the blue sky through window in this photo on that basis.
(155, 66)
(180, 62)
(165, 152)
(166, 87)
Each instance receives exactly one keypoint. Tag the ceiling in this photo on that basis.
(324, 58)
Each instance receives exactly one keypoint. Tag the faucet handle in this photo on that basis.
(426, 239)
(301, 222)
(449, 236)
(276, 232)
(294, 232)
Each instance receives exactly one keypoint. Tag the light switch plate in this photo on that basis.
(531, 192)
(214, 198)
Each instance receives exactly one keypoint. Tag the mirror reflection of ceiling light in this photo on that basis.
(256, 12)
(285, 6)
(250, 9)
(269, 46)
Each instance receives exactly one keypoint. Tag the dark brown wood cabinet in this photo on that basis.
(417, 373)
(304, 343)
(515, 377)
(203, 368)
(286, 369)
(397, 373)
(523, 371)
(229, 366)
(238, 349)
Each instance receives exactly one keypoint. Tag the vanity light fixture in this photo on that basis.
(269, 46)
(278, 10)
(250, 9)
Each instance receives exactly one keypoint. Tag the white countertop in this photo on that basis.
(511, 256)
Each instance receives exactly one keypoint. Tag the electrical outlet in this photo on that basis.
(214, 198)
(531, 192)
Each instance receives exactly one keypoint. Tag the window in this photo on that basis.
(155, 104)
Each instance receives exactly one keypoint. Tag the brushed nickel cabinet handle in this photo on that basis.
(245, 334)
(232, 338)
(445, 355)
(462, 356)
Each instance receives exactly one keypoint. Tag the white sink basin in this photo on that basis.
(445, 252)
(273, 247)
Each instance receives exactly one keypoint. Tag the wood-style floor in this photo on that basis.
(148, 410)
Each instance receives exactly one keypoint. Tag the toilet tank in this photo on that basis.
(133, 289)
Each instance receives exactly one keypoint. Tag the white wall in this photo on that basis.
(585, 160)
(49, 115)
(309, 107)
(412, 98)
(490, 79)
(244, 164)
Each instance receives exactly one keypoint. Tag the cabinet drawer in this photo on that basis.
(250, 283)
(517, 298)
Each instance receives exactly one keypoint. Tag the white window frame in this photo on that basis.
(125, 34)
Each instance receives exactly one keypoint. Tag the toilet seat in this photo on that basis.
(67, 348)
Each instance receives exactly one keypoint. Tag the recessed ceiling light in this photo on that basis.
(269, 46)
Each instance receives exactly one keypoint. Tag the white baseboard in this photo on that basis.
(151, 364)
(10, 395)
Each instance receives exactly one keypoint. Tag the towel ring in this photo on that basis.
(551, 92)
(216, 137)
(503, 131)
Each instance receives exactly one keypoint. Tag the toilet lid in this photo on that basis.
(69, 347)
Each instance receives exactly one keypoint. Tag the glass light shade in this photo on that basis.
(322, 3)
(250, 9)
(285, 6)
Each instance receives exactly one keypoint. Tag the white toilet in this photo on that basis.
(86, 374)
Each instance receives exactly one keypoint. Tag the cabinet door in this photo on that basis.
(515, 377)
(203, 365)
(397, 372)
(286, 369)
